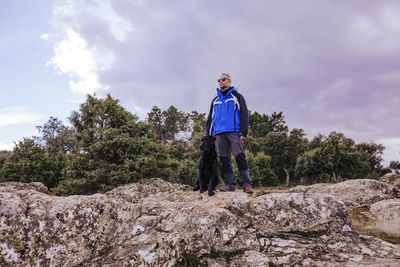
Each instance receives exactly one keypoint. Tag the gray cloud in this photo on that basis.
(328, 65)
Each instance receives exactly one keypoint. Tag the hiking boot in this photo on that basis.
(248, 189)
(225, 188)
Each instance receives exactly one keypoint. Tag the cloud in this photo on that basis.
(375, 35)
(8, 146)
(17, 115)
(45, 36)
(327, 65)
(73, 56)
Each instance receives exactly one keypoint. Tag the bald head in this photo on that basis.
(226, 75)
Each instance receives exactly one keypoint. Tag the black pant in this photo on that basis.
(228, 143)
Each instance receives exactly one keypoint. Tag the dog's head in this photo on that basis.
(207, 143)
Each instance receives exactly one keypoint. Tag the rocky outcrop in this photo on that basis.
(16, 186)
(155, 223)
(393, 181)
(358, 193)
(373, 205)
(381, 220)
(387, 210)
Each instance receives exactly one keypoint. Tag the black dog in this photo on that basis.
(209, 177)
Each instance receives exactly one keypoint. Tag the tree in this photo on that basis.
(356, 165)
(156, 119)
(198, 122)
(107, 139)
(348, 143)
(337, 156)
(56, 137)
(284, 149)
(29, 162)
(261, 125)
(261, 170)
(269, 134)
(296, 144)
(4, 155)
(316, 142)
(274, 145)
(308, 165)
(96, 116)
(395, 165)
(107, 146)
(332, 155)
(113, 149)
(175, 122)
(375, 152)
(167, 124)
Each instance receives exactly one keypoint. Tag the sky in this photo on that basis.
(328, 65)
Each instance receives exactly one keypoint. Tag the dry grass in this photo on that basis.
(364, 223)
(259, 191)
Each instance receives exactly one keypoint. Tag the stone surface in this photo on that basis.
(393, 181)
(155, 223)
(386, 210)
(10, 186)
(357, 193)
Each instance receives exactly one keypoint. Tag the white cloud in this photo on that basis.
(45, 36)
(118, 27)
(71, 14)
(17, 115)
(9, 146)
(73, 55)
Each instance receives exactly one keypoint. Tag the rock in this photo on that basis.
(24, 186)
(381, 220)
(156, 223)
(356, 193)
(393, 180)
(387, 210)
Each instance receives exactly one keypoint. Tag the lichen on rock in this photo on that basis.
(355, 193)
(155, 223)
(393, 181)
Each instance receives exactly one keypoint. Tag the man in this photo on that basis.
(228, 120)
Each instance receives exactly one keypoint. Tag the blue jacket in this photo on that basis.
(228, 113)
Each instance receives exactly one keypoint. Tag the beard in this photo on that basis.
(223, 88)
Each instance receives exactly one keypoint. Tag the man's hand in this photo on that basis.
(242, 138)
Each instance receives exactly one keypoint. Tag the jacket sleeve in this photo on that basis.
(209, 120)
(244, 116)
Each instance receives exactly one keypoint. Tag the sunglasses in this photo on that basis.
(222, 80)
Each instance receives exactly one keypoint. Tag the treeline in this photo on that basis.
(106, 146)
